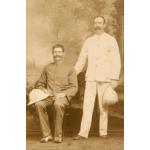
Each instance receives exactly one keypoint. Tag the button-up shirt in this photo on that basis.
(101, 52)
(59, 78)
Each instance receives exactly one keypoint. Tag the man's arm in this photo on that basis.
(41, 83)
(73, 85)
(115, 63)
(81, 59)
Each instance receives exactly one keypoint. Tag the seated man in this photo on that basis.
(61, 82)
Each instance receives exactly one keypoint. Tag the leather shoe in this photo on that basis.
(58, 140)
(46, 139)
(78, 137)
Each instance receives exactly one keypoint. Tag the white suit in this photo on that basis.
(101, 52)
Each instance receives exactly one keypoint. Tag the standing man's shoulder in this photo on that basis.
(89, 39)
(109, 37)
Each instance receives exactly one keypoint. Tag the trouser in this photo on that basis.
(91, 89)
(41, 108)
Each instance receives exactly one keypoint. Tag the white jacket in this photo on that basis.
(103, 58)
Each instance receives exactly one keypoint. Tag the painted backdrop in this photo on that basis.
(68, 22)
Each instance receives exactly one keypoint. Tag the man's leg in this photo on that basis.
(59, 109)
(41, 108)
(103, 120)
(88, 105)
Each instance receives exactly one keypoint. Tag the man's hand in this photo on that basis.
(43, 89)
(59, 96)
(114, 83)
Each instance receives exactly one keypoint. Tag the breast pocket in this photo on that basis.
(106, 52)
(61, 80)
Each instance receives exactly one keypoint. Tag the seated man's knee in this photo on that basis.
(58, 105)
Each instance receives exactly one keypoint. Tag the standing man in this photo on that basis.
(60, 80)
(101, 52)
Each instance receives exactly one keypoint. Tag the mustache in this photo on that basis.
(97, 28)
(57, 56)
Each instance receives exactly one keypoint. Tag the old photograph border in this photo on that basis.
(12, 112)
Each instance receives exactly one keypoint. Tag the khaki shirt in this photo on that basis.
(59, 78)
(103, 58)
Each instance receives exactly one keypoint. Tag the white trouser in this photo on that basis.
(91, 89)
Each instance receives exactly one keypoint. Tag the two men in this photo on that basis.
(102, 54)
(61, 82)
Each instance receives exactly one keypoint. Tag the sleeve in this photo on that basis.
(82, 59)
(115, 60)
(73, 84)
(41, 83)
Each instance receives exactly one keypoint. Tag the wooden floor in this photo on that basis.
(113, 142)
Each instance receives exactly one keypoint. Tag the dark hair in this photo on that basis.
(104, 20)
(58, 46)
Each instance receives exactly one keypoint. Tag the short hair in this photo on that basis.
(104, 20)
(58, 46)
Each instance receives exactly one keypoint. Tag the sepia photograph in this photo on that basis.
(74, 74)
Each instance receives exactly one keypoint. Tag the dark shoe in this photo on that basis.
(58, 140)
(78, 137)
(46, 139)
(104, 136)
